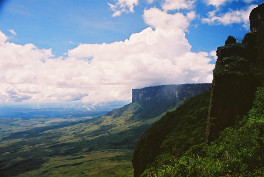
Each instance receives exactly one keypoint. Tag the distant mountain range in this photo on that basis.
(57, 110)
(29, 113)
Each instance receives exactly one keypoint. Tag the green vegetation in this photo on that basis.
(95, 147)
(101, 146)
(98, 163)
(173, 134)
(230, 40)
(237, 152)
(14, 120)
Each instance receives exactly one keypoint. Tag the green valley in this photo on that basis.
(97, 147)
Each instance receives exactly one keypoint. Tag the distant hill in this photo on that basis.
(107, 142)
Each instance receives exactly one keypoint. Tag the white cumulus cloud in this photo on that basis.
(3, 38)
(122, 6)
(233, 16)
(12, 32)
(150, 1)
(218, 3)
(213, 54)
(94, 73)
(177, 4)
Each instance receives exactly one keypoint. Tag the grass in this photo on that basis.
(97, 163)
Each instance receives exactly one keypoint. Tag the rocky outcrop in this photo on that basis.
(257, 19)
(237, 74)
(171, 94)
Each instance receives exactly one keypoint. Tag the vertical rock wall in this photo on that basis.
(168, 94)
(236, 78)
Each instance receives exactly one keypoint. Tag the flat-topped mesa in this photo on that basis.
(168, 94)
(257, 19)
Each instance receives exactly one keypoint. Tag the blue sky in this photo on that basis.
(96, 51)
(61, 24)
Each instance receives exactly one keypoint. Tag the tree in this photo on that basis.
(230, 40)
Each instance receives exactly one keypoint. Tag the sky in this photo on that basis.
(97, 51)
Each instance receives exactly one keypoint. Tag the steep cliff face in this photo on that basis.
(257, 19)
(237, 74)
(173, 133)
(169, 94)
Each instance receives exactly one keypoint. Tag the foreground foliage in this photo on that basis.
(239, 151)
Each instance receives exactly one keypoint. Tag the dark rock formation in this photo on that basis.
(257, 19)
(238, 72)
(169, 94)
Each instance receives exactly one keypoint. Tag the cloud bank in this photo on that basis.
(93, 73)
